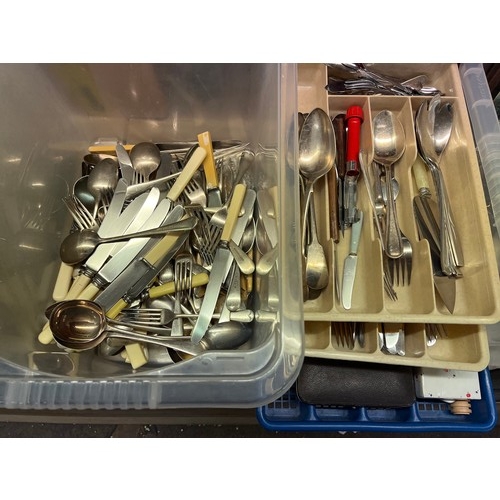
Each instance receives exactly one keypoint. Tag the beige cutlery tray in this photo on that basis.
(477, 292)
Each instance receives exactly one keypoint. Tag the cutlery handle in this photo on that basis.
(107, 149)
(169, 288)
(114, 311)
(63, 282)
(182, 225)
(356, 234)
(205, 142)
(233, 211)
(339, 126)
(354, 119)
(80, 283)
(421, 178)
(243, 261)
(90, 292)
(187, 173)
(45, 336)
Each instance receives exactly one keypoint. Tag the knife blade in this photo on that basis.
(350, 263)
(139, 274)
(214, 198)
(444, 285)
(220, 267)
(138, 210)
(132, 250)
(126, 168)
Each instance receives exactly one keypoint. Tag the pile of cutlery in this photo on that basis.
(156, 227)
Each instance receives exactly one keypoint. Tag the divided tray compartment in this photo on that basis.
(464, 347)
(477, 292)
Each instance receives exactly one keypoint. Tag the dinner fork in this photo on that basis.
(400, 269)
(346, 333)
(81, 215)
(183, 279)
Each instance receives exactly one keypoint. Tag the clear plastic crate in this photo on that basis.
(51, 113)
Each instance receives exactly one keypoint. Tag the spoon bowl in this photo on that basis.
(145, 158)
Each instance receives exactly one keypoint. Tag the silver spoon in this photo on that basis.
(389, 146)
(433, 125)
(79, 245)
(79, 325)
(145, 158)
(317, 152)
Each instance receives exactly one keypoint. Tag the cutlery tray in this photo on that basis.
(477, 291)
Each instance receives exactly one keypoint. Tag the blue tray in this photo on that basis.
(288, 413)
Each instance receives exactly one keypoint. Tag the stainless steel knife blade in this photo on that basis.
(134, 249)
(135, 214)
(139, 274)
(351, 262)
(220, 267)
(126, 168)
(118, 226)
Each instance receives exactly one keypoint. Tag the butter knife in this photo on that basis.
(220, 267)
(350, 263)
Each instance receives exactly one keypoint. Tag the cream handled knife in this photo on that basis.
(351, 262)
(220, 267)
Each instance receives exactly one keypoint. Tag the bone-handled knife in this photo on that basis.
(214, 198)
(351, 262)
(138, 211)
(133, 249)
(139, 275)
(220, 266)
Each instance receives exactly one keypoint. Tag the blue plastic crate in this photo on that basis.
(288, 413)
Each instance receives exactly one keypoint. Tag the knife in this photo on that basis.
(139, 274)
(354, 119)
(444, 285)
(126, 168)
(137, 212)
(351, 262)
(111, 269)
(220, 267)
(214, 198)
(335, 179)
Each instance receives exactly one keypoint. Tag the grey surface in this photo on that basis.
(44, 430)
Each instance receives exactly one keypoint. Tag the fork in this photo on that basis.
(183, 278)
(207, 235)
(400, 269)
(81, 215)
(164, 316)
(346, 333)
(433, 332)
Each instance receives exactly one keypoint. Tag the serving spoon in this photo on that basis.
(80, 325)
(317, 152)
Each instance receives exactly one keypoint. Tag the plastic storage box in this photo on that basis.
(51, 114)
(288, 413)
